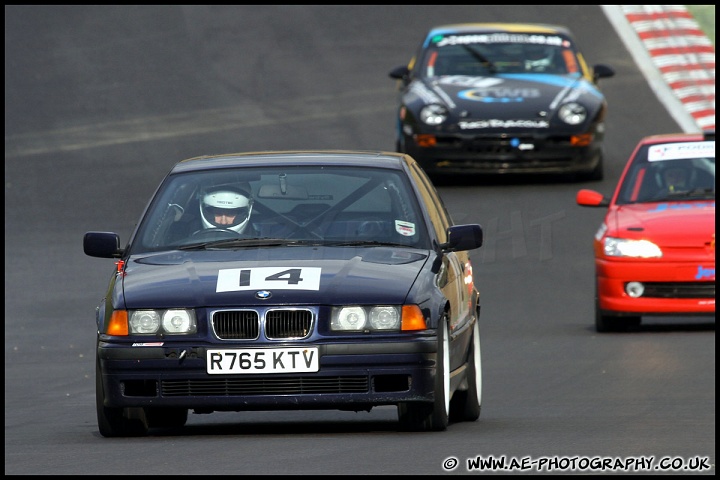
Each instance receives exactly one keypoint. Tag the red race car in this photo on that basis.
(655, 250)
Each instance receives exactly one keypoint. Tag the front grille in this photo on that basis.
(501, 145)
(236, 324)
(679, 290)
(287, 324)
(504, 152)
(278, 324)
(253, 385)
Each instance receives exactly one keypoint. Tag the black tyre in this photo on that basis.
(605, 323)
(117, 422)
(423, 416)
(466, 404)
(596, 174)
(610, 323)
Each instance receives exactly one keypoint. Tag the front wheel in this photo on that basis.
(465, 404)
(596, 174)
(117, 421)
(432, 416)
(609, 323)
(606, 323)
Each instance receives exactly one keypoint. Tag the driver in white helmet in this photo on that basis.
(539, 58)
(227, 207)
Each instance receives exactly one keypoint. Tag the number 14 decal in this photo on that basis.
(268, 278)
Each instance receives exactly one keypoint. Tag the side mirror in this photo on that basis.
(102, 244)
(591, 198)
(463, 237)
(602, 71)
(400, 73)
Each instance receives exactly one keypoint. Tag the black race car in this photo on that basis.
(289, 280)
(502, 98)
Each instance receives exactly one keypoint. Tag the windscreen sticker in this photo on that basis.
(405, 228)
(499, 37)
(678, 151)
(270, 278)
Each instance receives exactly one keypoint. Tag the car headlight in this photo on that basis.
(178, 321)
(348, 318)
(144, 322)
(385, 318)
(621, 247)
(171, 322)
(369, 318)
(572, 113)
(433, 114)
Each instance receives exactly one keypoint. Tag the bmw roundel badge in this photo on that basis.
(263, 294)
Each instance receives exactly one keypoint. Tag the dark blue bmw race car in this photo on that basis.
(502, 98)
(289, 280)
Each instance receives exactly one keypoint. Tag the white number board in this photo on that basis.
(268, 278)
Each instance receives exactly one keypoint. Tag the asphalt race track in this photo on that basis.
(100, 101)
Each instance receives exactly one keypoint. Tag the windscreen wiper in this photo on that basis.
(701, 193)
(247, 242)
(366, 243)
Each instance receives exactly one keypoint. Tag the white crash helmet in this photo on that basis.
(538, 57)
(233, 202)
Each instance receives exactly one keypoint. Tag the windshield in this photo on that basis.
(332, 206)
(489, 54)
(671, 171)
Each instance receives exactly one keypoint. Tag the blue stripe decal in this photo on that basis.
(556, 80)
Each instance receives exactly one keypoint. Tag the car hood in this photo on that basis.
(667, 224)
(191, 279)
(508, 100)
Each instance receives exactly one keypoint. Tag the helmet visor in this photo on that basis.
(225, 216)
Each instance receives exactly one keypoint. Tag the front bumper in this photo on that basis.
(505, 153)
(351, 377)
(670, 288)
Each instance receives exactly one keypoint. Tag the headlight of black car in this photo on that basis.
(378, 317)
(572, 113)
(433, 114)
(176, 321)
(171, 322)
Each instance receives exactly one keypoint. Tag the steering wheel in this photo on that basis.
(216, 232)
(370, 228)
